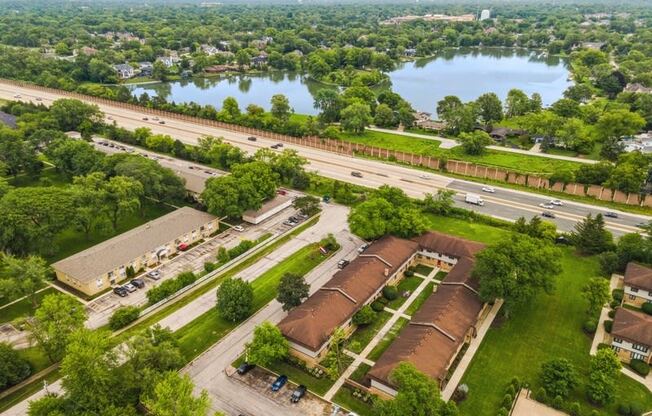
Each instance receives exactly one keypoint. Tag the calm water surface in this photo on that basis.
(465, 73)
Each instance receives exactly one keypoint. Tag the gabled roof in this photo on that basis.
(312, 323)
(638, 276)
(446, 244)
(633, 326)
(434, 334)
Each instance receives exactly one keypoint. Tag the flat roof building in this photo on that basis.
(103, 265)
(269, 208)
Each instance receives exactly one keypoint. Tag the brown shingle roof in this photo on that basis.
(434, 334)
(312, 323)
(638, 276)
(461, 274)
(124, 248)
(633, 326)
(448, 245)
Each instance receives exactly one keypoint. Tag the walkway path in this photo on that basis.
(599, 336)
(470, 352)
(379, 336)
(450, 143)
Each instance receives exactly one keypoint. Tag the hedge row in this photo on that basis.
(169, 287)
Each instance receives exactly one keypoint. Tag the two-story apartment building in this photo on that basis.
(637, 284)
(631, 335)
(104, 265)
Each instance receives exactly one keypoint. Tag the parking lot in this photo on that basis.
(259, 381)
(100, 309)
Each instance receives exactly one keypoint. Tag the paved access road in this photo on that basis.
(504, 203)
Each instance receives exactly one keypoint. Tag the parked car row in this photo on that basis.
(278, 384)
(130, 287)
(295, 219)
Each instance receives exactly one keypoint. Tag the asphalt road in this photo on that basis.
(505, 203)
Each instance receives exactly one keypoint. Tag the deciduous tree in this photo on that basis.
(292, 290)
(54, 321)
(234, 299)
(267, 346)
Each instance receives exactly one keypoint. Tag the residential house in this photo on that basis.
(146, 69)
(309, 326)
(638, 88)
(631, 335)
(209, 50)
(125, 71)
(87, 50)
(267, 210)
(410, 52)
(104, 265)
(637, 284)
(260, 60)
(445, 323)
(168, 61)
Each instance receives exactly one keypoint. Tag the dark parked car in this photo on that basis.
(279, 382)
(298, 393)
(138, 282)
(251, 138)
(245, 368)
(642, 224)
(342, 264)
(611, 214)
(563, 240)
(120, 291)
(548, 214)
(356, 174)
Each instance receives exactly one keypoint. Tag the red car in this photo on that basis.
(282, 192)
(183, 247)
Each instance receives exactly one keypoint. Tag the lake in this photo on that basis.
(465, 73)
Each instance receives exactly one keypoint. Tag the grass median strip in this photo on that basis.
(209, 328)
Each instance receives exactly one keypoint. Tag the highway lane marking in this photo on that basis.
(132, 115)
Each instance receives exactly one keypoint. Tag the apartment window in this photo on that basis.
(618, 340)
(616, 349)
(635, 356)
(632, 297)
(640, 347)
(633, 290)
(110, 274)
(99, 282)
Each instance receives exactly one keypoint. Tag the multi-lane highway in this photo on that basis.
(505, 203)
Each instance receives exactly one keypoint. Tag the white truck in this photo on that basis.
(474, 199)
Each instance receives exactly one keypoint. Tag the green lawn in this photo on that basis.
(422, 269)
(416, 304)
(36, 358)
(363, 334)
(72, 240)
(389, 337)
(297, 375)
(461, 228)
(428, 147)
(49, 176)
(407, 284)
(209, 328)
(360, 372)
(23, 308)
(547, 327)
(344, 397)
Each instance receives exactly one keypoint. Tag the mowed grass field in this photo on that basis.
(512, 161)
(548, 327)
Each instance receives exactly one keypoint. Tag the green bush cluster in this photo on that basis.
(647, 308)
(123, 316)
(633, 409)
(170, 287)
(224, 255)
(608, 325)
(641, 367)
(590, 326)
(390, 292)
(618, 294)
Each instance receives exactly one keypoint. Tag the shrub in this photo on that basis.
(575, 409)
(364, 316)
(558, 402)
(510, 390)
(123, 316)
(209, 266)
(614, 304)
(186, 278)
(542, 395)
(641, 367)
(516, 383)
(170, 287)
(602, 345)
(624, 409)
(590, 326)
(647, 308)
(409, 273)
(508, 399)
(503, 412)
(612, 313)
(377, 306)
(635, 409)
(130, 272)
(13, 368)
(617, 294)
(390, 292)
(608, 324)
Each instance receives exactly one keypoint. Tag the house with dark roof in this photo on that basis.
(631, 335)
(309, 326)
(8, 120)
(637, 284)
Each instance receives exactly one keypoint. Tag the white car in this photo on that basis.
(17, 96)
(239, 228)
(424, 176)
(129, 287)
(489, 189)
(154, 274)
(556, 202)
(546, 205)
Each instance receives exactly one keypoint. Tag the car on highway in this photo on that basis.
(252, 138)
(145, 119)
(279, 144)
(298, 393)
(239, 228)
(546, 205)
(342, 264)
(356, 174)
(245, 367)
(17, 96)
(161, 122)
(548, 214)
(129, 288)
(154, 274)
(39, 99)
(489, 189)
(557, 202)
(642, 224)
(425, 176)
(611, 214)
(279, 382)
(274, 146)
(120, 291)
(138, 282)
(109, 118)
(155, 118)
